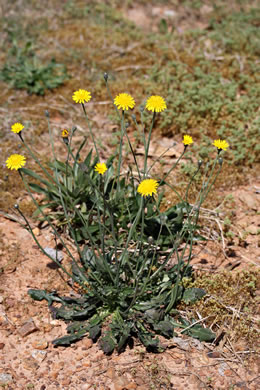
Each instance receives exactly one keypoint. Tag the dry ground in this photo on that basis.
(29, 361)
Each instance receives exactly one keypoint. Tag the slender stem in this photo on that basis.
(171, 169)
(90, 129)
(148, 144)
(120, 149)
(39, 163)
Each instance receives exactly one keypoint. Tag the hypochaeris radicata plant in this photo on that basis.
(129, 268)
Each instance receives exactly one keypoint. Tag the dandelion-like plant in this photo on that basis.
(131, 256)
(17, 127)
(65, 133)
(148, 187)
(101, 168)
(155, 103)
(124, 101)
(187, 140)
(81, 96)
(15, 161)
(221, 144)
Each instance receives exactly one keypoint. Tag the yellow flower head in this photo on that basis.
(156, 104)
(65, 133)
(17, 127)
(81, 96)
(148, 187)
(101, 168)
(221, 144)
(15, 161)
(187, 140)
(124, 101)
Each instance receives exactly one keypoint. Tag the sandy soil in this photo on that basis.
(29, 360)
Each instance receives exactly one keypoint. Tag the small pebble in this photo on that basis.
(5, 378)
(54, 254)
(27, 328)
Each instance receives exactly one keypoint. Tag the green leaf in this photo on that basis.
(164, 328)
(191, 295)
(33, 174)
(107, 343)
(94, 332)
(203, 334)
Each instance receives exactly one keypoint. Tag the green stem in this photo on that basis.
(148, 144)
(90, 129)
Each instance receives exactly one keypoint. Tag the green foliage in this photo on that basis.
(24, 70)
(84, 206)
(129, 269)
(144, 320)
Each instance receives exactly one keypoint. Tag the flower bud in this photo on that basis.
(200, 162)
(150, 240)
(106, 76)
(47, 114)
(220, 161)
(16, 206)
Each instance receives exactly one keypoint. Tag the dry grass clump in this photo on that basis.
(231, 303)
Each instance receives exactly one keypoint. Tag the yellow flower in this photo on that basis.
(124, 101)
(17, 127)
(156, 104)
(81, 96)
(100, 168)
(15, 161)
(65, 133)
(221, 144)
(148, 187)
(187, 140)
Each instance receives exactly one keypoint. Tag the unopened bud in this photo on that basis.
(142, 108)
(74, 128)
(47, 114)
(16, 206)
(150, 240)
(127, 124)
(200, 162)
(133, 117)
(106, 76)
(220, 160)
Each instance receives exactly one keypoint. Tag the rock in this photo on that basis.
(111, 373)
(214, 355)
(131, 386)
(87, 343)
(39, 356)
(40, 344)
(2, 345)
(253, 229)
(181, 343)
(119, 383)
(36, 231)
(54, 254)
(86, 386)
(27, 328)
(98, 356)
(66, 382)
(54, 374)
(87, 363)
(30, 364)
(1, 299)
(5, 378)
(248, 199)
(55, 322)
